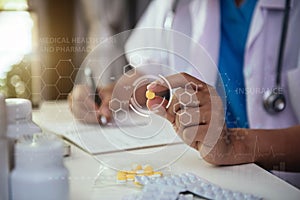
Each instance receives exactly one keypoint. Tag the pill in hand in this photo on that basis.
(150, 95)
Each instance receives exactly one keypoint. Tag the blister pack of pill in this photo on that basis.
(185, 187)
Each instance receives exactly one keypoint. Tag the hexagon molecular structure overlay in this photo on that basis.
(185, 118)
(129, 71)
(115, 105)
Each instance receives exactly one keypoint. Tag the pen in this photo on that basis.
(90, 81)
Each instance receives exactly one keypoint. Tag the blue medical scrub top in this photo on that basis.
(235, 23)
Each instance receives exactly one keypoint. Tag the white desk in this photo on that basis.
(248, 178)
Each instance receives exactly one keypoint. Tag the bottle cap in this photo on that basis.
(3, 123)
(38, 150)
(18, 109)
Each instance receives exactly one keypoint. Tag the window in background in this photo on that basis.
(17, 49)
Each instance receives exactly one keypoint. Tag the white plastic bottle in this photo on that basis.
(4, 171)
(19, 122)
(19, 118)
(39, 171)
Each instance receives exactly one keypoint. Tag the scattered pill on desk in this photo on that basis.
(148, 168)
(150, 95)
(121, 177)
(130, 177)
(137, 167)
(124, 176)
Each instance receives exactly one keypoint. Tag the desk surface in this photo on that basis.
(85, 171)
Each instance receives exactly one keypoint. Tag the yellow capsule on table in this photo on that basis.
(136, 167)
(131, 172)
(130, 177)
(150, 95)
(148, 169)
(121, 178)
(137, 184)
(157, 174)
(121, 173)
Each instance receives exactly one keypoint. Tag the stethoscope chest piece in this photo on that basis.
(274, 101)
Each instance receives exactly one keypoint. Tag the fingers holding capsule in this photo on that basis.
(156, 103)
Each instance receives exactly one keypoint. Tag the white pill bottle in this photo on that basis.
(4, 170)
(19, 122)
(39, 172)
(19, 118)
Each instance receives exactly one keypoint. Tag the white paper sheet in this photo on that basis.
(95, 139)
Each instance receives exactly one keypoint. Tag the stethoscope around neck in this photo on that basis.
(274, 100)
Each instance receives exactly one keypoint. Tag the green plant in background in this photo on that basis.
(17, 82)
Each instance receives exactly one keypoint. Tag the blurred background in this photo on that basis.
(44, 42)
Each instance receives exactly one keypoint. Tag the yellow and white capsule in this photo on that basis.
(121, 177)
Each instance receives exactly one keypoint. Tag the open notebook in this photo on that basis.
(132, 134)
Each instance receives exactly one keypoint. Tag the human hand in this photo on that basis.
(195, 110)
(83, 106)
